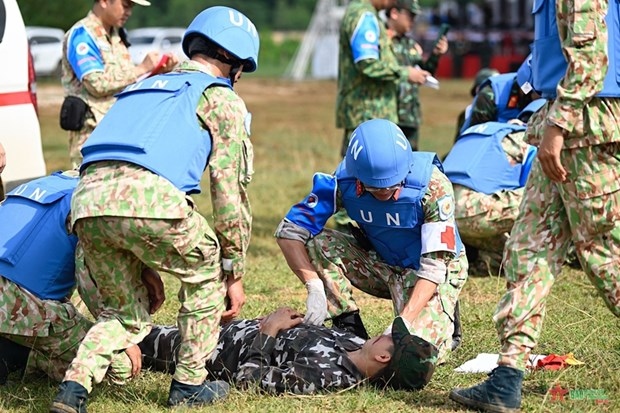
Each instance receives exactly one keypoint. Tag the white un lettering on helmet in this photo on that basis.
(401, 141)
(355, 147)
(239, 20)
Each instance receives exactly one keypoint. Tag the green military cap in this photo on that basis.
(413, 361)
(481, 76)
(412, 5)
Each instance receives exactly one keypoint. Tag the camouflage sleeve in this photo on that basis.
(303, 375)
(378, 69)
(230, 170)
(108, 82)
(438, 204)
(582, 30)
(516, 147)
(483, 108)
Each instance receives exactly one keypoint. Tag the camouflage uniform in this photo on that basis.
(97, 89)
(127, 217)
(409, 53)
(584, 208)
(484, 221)
(341, 263)
(367, 89)
(302, 360)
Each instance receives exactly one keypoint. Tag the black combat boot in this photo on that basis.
(159, 349)
(351, 322)
(71, 398)
(500, 393)
(197, 395)
(13, 357)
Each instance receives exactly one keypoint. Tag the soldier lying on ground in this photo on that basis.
(280, 354)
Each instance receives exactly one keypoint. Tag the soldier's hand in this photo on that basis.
(172, 61)
(417, 75)
(2, 158)
(150, 61)
(549, 153)
(155, 288)
(236, 295)
(316, 303)
(281, 319)
(442, 46)
(135, 355)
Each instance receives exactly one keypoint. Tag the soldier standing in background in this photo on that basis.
(95, 66)
(132, 206)
(573, 191)
(368, 72)
(400, 19)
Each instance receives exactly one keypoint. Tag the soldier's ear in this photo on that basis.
(383, 357)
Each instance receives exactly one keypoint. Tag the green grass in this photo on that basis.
(294, 136)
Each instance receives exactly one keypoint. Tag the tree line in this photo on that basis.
(267, 15)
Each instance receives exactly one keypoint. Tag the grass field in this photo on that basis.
(294, 135)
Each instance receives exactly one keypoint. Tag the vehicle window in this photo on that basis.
(2, 20)
(43, 40)
(173, 39)
(141, 40)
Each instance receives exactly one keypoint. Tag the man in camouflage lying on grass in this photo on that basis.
(281, 355)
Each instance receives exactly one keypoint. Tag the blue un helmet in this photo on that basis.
(229, 29)
(379, 154)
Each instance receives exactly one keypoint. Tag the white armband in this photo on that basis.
(438, 236)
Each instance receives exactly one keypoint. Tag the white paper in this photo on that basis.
(486, 362)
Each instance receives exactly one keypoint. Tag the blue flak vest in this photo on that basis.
(548, 62)
(153, 124)
(502, 86)
(36, 252)
(393, 227)
(478, 161)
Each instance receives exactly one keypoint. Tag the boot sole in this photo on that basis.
(61, 408)
(492, 408)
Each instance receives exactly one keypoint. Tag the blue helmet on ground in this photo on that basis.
(524, 75)
(379, 154)
(229, 29)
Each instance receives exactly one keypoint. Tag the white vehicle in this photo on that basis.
(160, 39)
(19, 125)
(46, 48)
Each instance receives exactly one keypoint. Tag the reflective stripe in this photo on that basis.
(15, 98)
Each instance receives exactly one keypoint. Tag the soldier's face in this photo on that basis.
(402, 20)
(116, 12)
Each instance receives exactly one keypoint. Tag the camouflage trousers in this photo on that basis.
(53, 330)
(341, 263)
(585, 209)
(484, 222)
(116, 250)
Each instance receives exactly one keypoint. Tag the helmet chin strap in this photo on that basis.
(233, 73)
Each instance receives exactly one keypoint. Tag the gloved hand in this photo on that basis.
(316, 303)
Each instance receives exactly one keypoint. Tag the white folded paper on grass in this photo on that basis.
(486, 362)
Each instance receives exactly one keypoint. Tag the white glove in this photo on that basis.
(316, 303)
